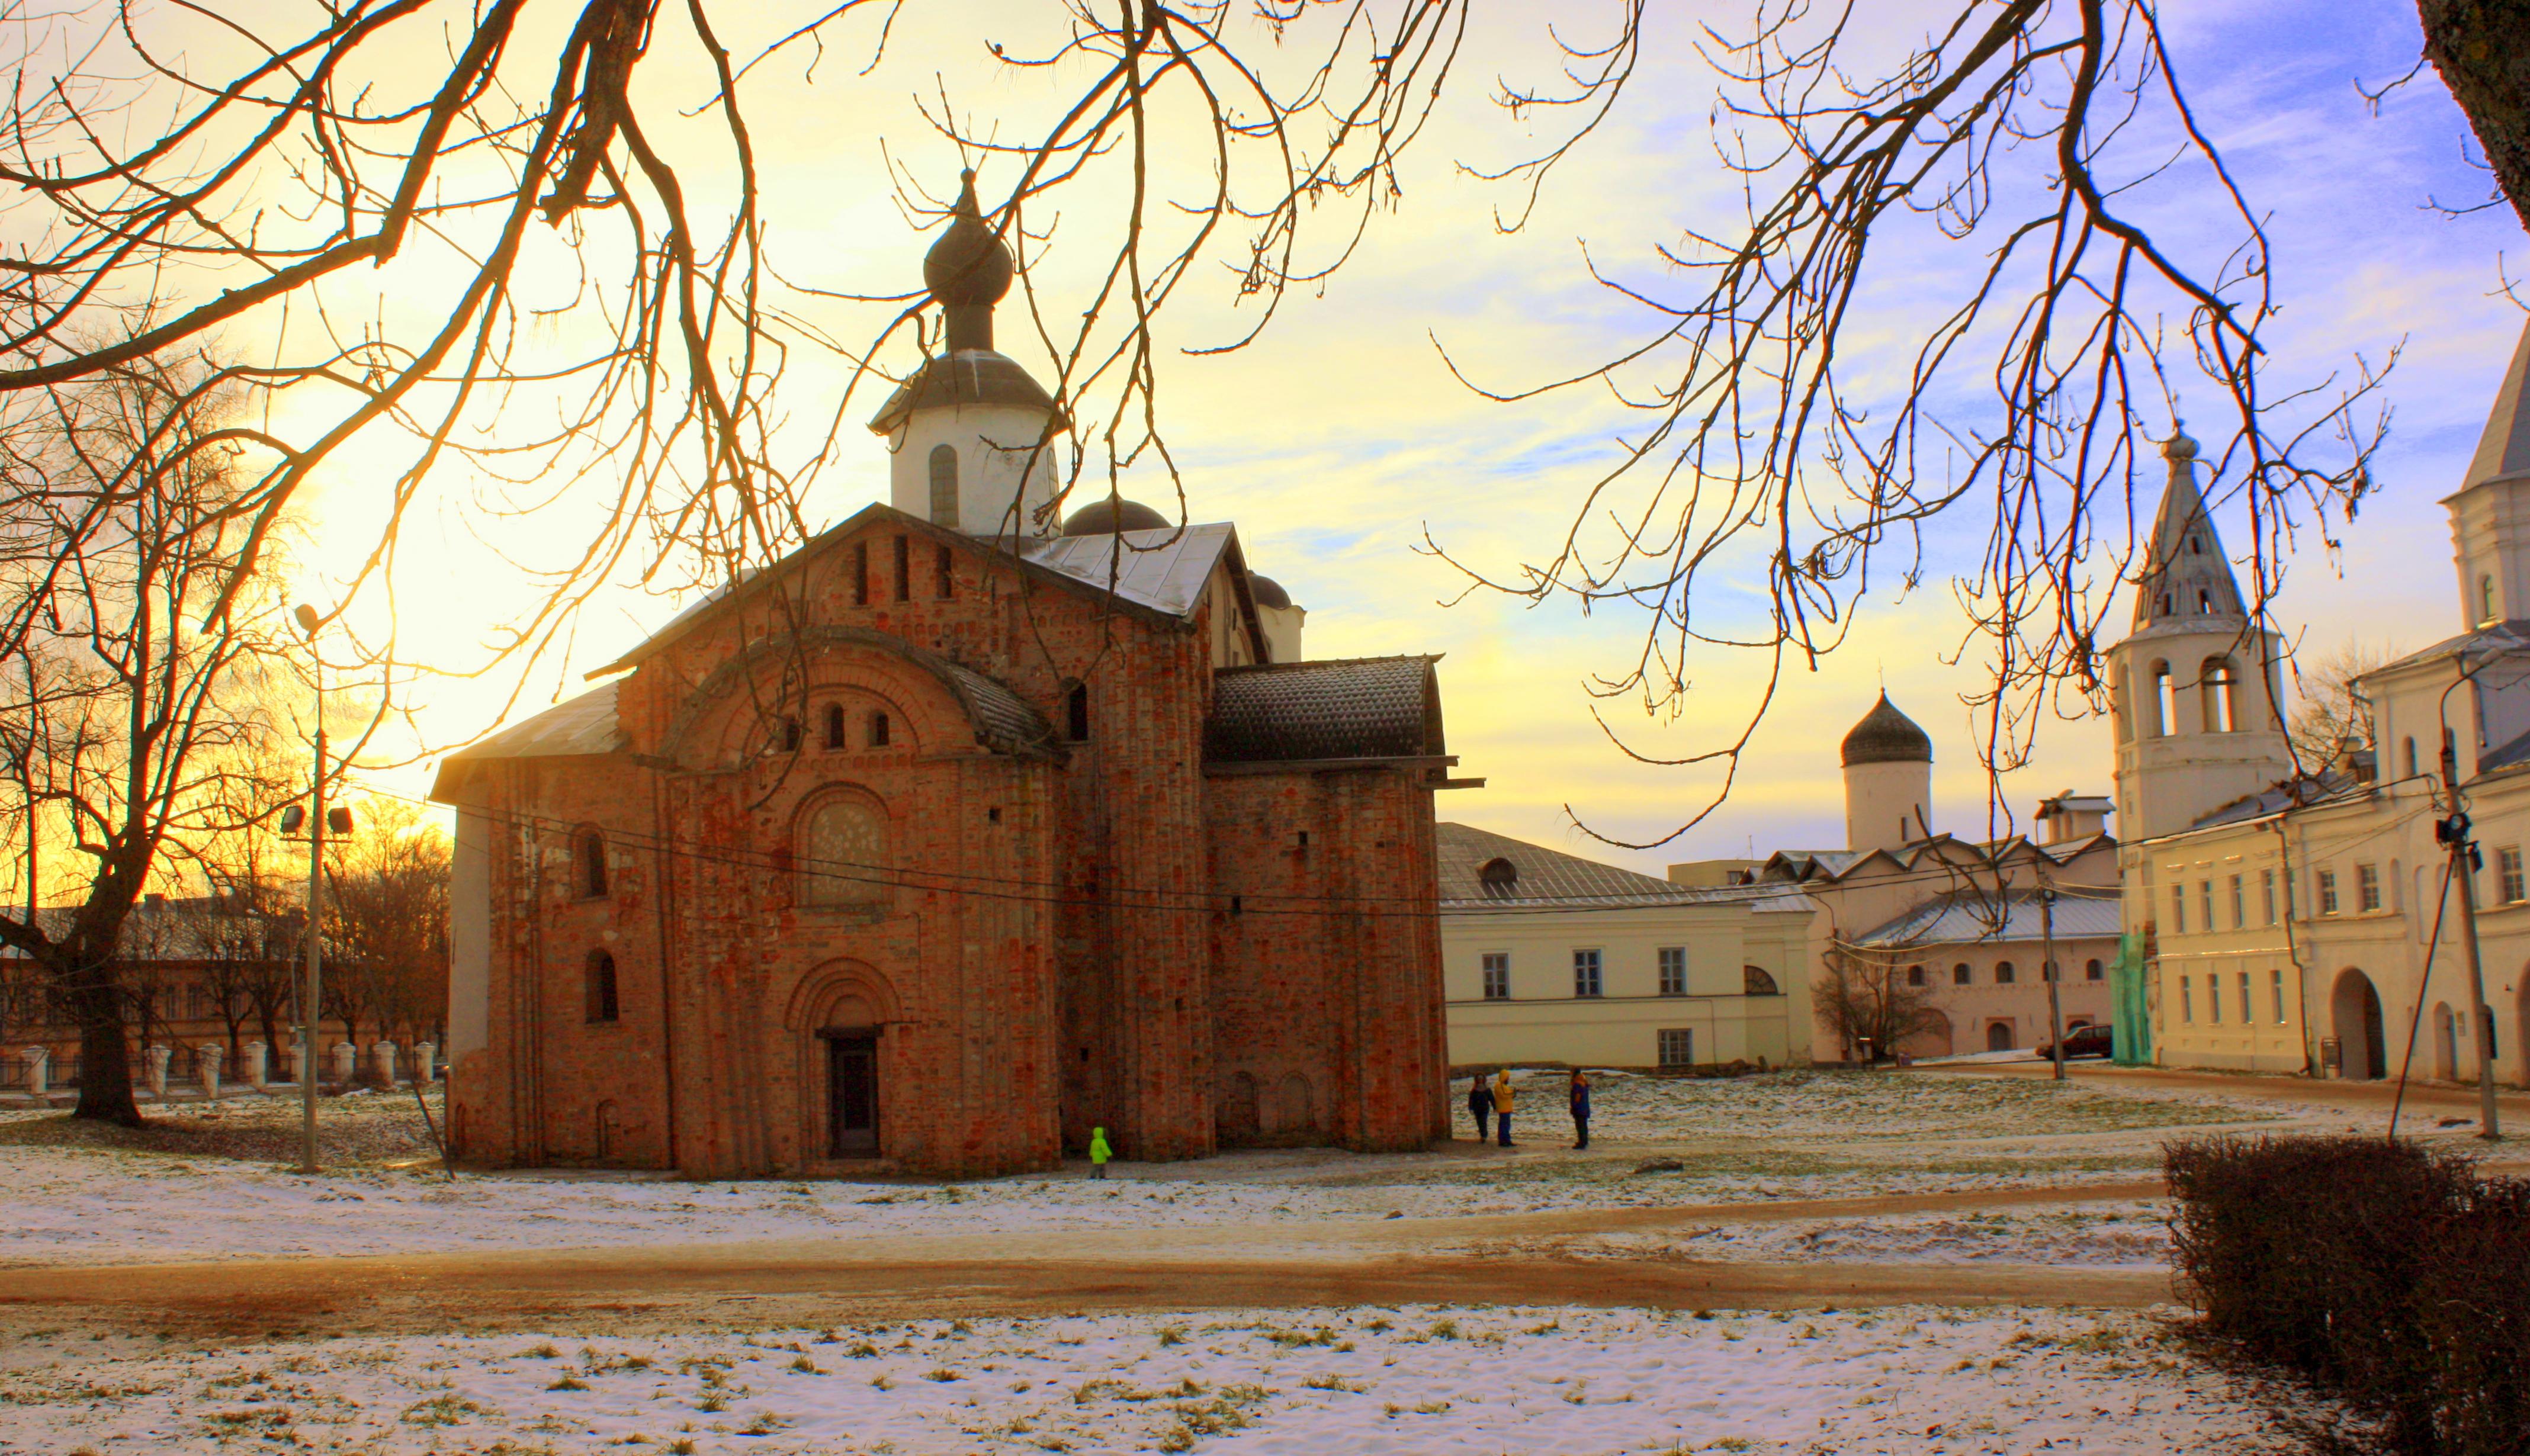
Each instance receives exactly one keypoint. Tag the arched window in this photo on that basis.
(2411, 745)
(601, 987)
(2164, 716)
(878, 731)
(944, 486)
(2093, 971)
(2204, 602)
(590, 853)
(1914, 975)
(790, 736)
(1075, 713)
(835, 726)
(2003, 973)
(1757, 981)
(2486, 599)
(842, 854)
(2219, 685)
(1960, 974)
(1498, 874)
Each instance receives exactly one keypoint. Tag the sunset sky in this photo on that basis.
(1338, 440)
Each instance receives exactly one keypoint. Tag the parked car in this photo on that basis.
(2081, 1041)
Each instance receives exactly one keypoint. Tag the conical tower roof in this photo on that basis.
(1886, 736)
(2186, 578)
(2503, 450)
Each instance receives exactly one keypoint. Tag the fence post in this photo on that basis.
(208, 1057)
(156, 1059)
(38, 1060)
(253, 1067)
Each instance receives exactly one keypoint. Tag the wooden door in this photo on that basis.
(852, 1096)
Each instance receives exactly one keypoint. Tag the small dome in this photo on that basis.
(1267, 591)
(2178, 447)
(1886, 736)
(969, 264)
(1107, 516)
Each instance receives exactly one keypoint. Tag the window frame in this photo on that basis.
(603, 989)
(2006, 973)
(2239, 903)
(2276, 991)
(2266, 893)
(1962, 973)
(589, 863)
(2186, 1002)
(2510, 880)
(2326, 889)
(2367, 890)
(1672, 969)
(856, 896)
(1680, 1038)
(1494, 971)
(1590, 972)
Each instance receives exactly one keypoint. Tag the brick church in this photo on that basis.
(955, 834)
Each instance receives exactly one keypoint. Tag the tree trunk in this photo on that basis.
(2482, 50)
(105, 1059)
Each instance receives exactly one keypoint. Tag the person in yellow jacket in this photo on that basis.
(1501, 1104)
(1098, 1153)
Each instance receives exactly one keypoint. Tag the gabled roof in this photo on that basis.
(1355, 708)
(1548, 877)
(585, 725)
(1962, 917)
(1163, 569)
(2492, 640)
(2300, 791)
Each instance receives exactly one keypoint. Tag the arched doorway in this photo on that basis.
(841, 1014)
(2446, 1043)
(1997, 1036)
(2361, 1045)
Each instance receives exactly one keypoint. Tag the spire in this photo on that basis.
(2505, 447)
(2185, 574)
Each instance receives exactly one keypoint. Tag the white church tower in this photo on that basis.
(1888, 780)
(2196, 688)
(972, 438)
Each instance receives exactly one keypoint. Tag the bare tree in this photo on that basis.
(1871, 1007)
(246, 939)
(386, 913)
(128, 572)
(2329, 717)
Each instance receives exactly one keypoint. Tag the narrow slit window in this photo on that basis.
(878, 731)
(835, 726)
(601, 987)
(944, 575)
(944, 486)
(904, 569)
(1075, 713)
(860, 573)
(592, 865)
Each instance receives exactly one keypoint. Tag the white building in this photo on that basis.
(1550, 958)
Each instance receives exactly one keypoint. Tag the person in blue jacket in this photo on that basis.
(1581, 1095)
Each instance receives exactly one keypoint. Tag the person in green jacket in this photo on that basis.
(1098, 1153)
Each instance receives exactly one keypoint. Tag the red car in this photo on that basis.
(2082, 1041)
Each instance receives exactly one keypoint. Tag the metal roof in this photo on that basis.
(1552, 878)
(970, 376)
(1163, 569)
(584, 725)
(1351, 707)
(1968, 916)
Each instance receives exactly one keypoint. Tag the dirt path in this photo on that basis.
(2433, 1100)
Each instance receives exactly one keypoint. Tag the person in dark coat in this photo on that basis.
(1480, 1106)
(1581, 1095)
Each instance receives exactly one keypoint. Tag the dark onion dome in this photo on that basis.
(1267, 591)
(1106, 518)
(1886, 736)
(969, 264)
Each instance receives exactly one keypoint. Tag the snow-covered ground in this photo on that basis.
(2101, 1235)
(1428, 1381)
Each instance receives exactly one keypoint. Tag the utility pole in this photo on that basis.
(2047, 968)
(312, 1003)
(2453, 832)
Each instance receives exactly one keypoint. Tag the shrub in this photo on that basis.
(2395, 1278)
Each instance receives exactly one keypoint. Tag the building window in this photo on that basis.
(2177, 908)
(790, 736)
(2239, 905)
(2266, 893)
(2328, 892)
(2047, 970)
(1673, 970)
(944, 486)
(2411, 745)
(2165, 702)
(2276, 990)
(1914, 975)
(2247, 1015)
(1075, 713)
(835, 726)
(2204, 902)
(904, 569)
(1757, 981)
(1585, 973)
(2221, 696)
(1960, 974)
(2485, 599)
(860, 573)
(1496, 975)
(2367, 888)
(2186, 1000)
(878, 731)
(2092, 970)
(1677, 1046)
(2004, 974)
(591, 851)
(842, 854)
(2507, 872)
(601, 987)
(2214, 999)
(944, 575)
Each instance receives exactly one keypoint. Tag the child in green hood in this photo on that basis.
(1098, 1153)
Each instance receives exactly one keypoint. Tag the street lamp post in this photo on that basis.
(2047, 968)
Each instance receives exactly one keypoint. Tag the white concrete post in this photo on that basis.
(38, 1065)
(298, 1062)
(425, 1062)
(347, 1059)
(255, 1066)
(382, 1061)
(156, 1061)
(211, 1054)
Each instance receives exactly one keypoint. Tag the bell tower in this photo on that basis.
(972, 438)
(2196, 688)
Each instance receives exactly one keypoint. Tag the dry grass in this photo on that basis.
(362, 1128)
